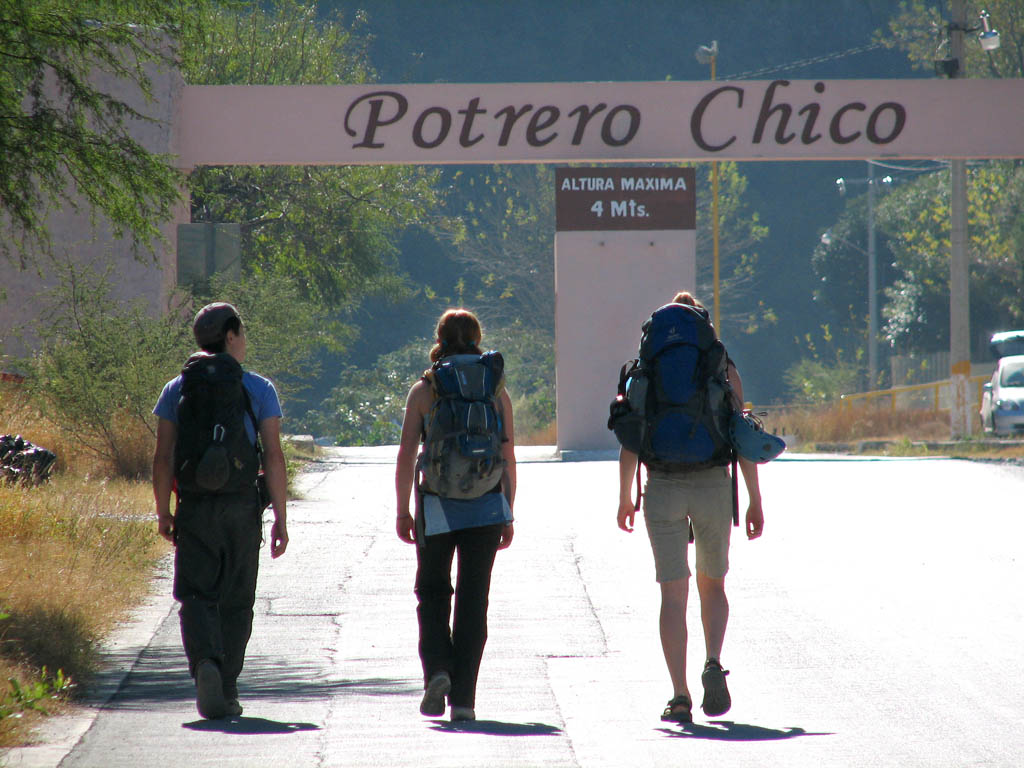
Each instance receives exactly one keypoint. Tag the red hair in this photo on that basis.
(458, 333)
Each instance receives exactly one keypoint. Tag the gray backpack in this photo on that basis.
(461, 457)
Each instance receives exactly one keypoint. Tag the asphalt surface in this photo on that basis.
(878, 622)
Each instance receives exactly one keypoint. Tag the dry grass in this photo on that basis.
(75, 555)
(546, 435)
(86, 454)
(843, 425)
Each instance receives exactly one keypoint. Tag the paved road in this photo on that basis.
(877, 623)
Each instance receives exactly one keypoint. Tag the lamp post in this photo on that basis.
(708, 54)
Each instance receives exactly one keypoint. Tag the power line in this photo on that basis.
(937, 165)
(805, 62)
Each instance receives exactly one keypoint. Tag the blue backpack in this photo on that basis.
(461, 456)
(674, 402)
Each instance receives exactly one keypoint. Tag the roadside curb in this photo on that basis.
(58, 735)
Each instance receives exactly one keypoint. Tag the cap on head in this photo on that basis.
(208, 325)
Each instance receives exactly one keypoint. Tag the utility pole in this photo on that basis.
(872, 285)
(959, 292)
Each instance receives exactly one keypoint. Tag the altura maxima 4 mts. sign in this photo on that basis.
(609, 122)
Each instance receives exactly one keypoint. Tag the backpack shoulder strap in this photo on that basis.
(255, 424)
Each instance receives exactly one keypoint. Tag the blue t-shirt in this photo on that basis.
(262, 395)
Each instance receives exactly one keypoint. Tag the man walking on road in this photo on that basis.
(212, 420)
(675, 502)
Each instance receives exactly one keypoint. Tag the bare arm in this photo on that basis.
(277, 483)
(508, 453)
(163, 476)
(755, 514)
(417, 406)
(627, 470)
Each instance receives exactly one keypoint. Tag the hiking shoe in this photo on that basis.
(232, 708)
(433, 697)
(679, 710)
(209, 690)
(462, 714)
(716, 693)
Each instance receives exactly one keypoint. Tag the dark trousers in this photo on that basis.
(216, 560)
(458, 649)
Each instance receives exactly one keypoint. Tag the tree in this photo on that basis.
(101, 365)
(285, 333)
(509, 215)
(916, 220)
(739, 232)
(841, 267)
(63, 139)
(330, 230)
(920, 29)
(508, 212)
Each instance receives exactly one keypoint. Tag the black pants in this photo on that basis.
(215, 565)
(459, 649)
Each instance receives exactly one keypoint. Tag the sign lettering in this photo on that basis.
(436, 123)
(625, 198)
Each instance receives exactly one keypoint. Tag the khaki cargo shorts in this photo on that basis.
(671, 503)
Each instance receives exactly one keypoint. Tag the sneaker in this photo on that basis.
(462, 714)
(433, 697)
(716, 693)
(209, 690)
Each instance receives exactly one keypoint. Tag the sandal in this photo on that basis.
(716, 693)
(679, 710)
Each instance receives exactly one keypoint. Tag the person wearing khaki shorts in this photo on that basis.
(673, 502)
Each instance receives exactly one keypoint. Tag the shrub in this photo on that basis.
(100, 367)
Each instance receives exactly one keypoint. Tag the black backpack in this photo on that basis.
(674, 401)
(213, 453)
(461, 457)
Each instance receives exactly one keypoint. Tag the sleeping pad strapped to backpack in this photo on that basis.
(212, 452)
(461, 457)
(674, 402)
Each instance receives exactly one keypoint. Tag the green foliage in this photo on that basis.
(916, 219)
(919, 30)
(21, 698)
(330, 230)
(740, 230)
(509, 216)
(367, 406)
(825, 371)
(101, 364)
(813, 381)
(841, 269)
(529, 354)
(65, 140)
(508, 212)
(285, 332)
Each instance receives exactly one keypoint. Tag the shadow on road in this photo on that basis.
(496, 728)
(726, 730)
(249, 726)
(160, 675)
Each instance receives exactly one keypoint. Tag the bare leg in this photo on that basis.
(673, 632)
(714, 613)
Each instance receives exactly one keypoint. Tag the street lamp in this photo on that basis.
(872, 182)
(708, 54)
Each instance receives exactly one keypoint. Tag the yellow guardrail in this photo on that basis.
(846, 401)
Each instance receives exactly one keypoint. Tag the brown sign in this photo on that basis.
(588, 199)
